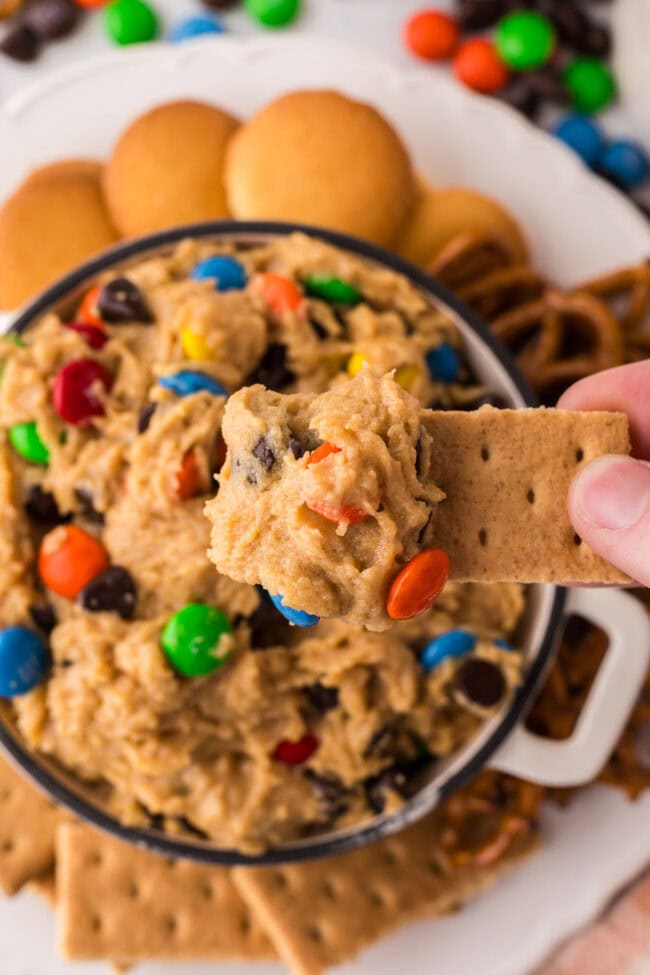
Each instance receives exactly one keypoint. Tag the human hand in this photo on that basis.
(609, 501)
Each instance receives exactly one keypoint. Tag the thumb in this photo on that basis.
(609, 507)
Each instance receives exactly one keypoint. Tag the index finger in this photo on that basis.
(624, 388)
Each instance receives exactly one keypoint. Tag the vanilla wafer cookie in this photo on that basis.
(116, 901)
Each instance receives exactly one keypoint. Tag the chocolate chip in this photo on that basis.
(21, 43)
(122, 301)
(65, 664)
(263, 451)
(382, 742)
(330, 791)
(319, 330)
(487, 399)
(52, 19)
(297, 449)
(87, 509)
(576, 631)
(481, 682)
(145, 417)
(377, 787)
(268, 627)
(43, 616)
(547, 83)
(41, 506)
(272, 371)
(576, 29)
(479, 14)
(112, 591)
(521, 96)
(322, 698)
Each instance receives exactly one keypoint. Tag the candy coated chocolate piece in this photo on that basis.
(122, 301)
(296, 616)
(21, 43)
(479, 67)
(25, 440)
(454, 643)
(74, 393)
(198, 26)
(130, 22)
(525, 40)
(332, 289)
(581, 135)
(273, 13)
(296, 752)
(197, 639)
(190, 381)
(112, 591)
(94, 336)
(431, 35)
(52, 19)
(591, 84)
(443, 363)
(69, 558)
(626, 162)
(480, 682)
(24, 660)
(272, 370)
(228, 274)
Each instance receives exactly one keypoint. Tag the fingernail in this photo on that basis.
(613, 492)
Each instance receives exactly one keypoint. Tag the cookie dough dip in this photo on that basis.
(182, 698)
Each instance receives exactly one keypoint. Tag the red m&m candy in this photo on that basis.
(95, 336)
(296, 752)
(431, 35)
(77, 390)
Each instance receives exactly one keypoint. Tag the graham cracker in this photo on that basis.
(324, 912)
(506, 474)
(28, 824)
(115, 901)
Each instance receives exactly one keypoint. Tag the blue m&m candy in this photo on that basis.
(454, 643)
(581, 135)
(502, 644)
(189, 381)
(24, 660)
(198, 26)
(443, 363)
(227, 273)
(296, 616)
(626, 162)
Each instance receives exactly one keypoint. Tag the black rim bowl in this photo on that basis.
(63, 788)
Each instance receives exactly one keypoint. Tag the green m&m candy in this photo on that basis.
(273, 13)
(197, 639)
(590, 83)
(525, 40)
(130, 22)
(25, 440)
(332, 289)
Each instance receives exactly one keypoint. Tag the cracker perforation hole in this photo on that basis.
(96, 922)
(314, 934)
(170, 924)
(435, 868)
(327, 889)
(390, 858)
(376, 898)
(482, 537)
(530, 497)
(7, 846)
(577, 541)
(133, 891)
(5, 794)
(245, 925)
(580, 455)
(280, 880)
(485, 452)
(95, 859)
(206, 892)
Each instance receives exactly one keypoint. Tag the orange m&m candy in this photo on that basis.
(188, 477)
(87, 311)
(478, 65)
(418, 584)
(431, 35)
(280, 293)
(69, 558)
